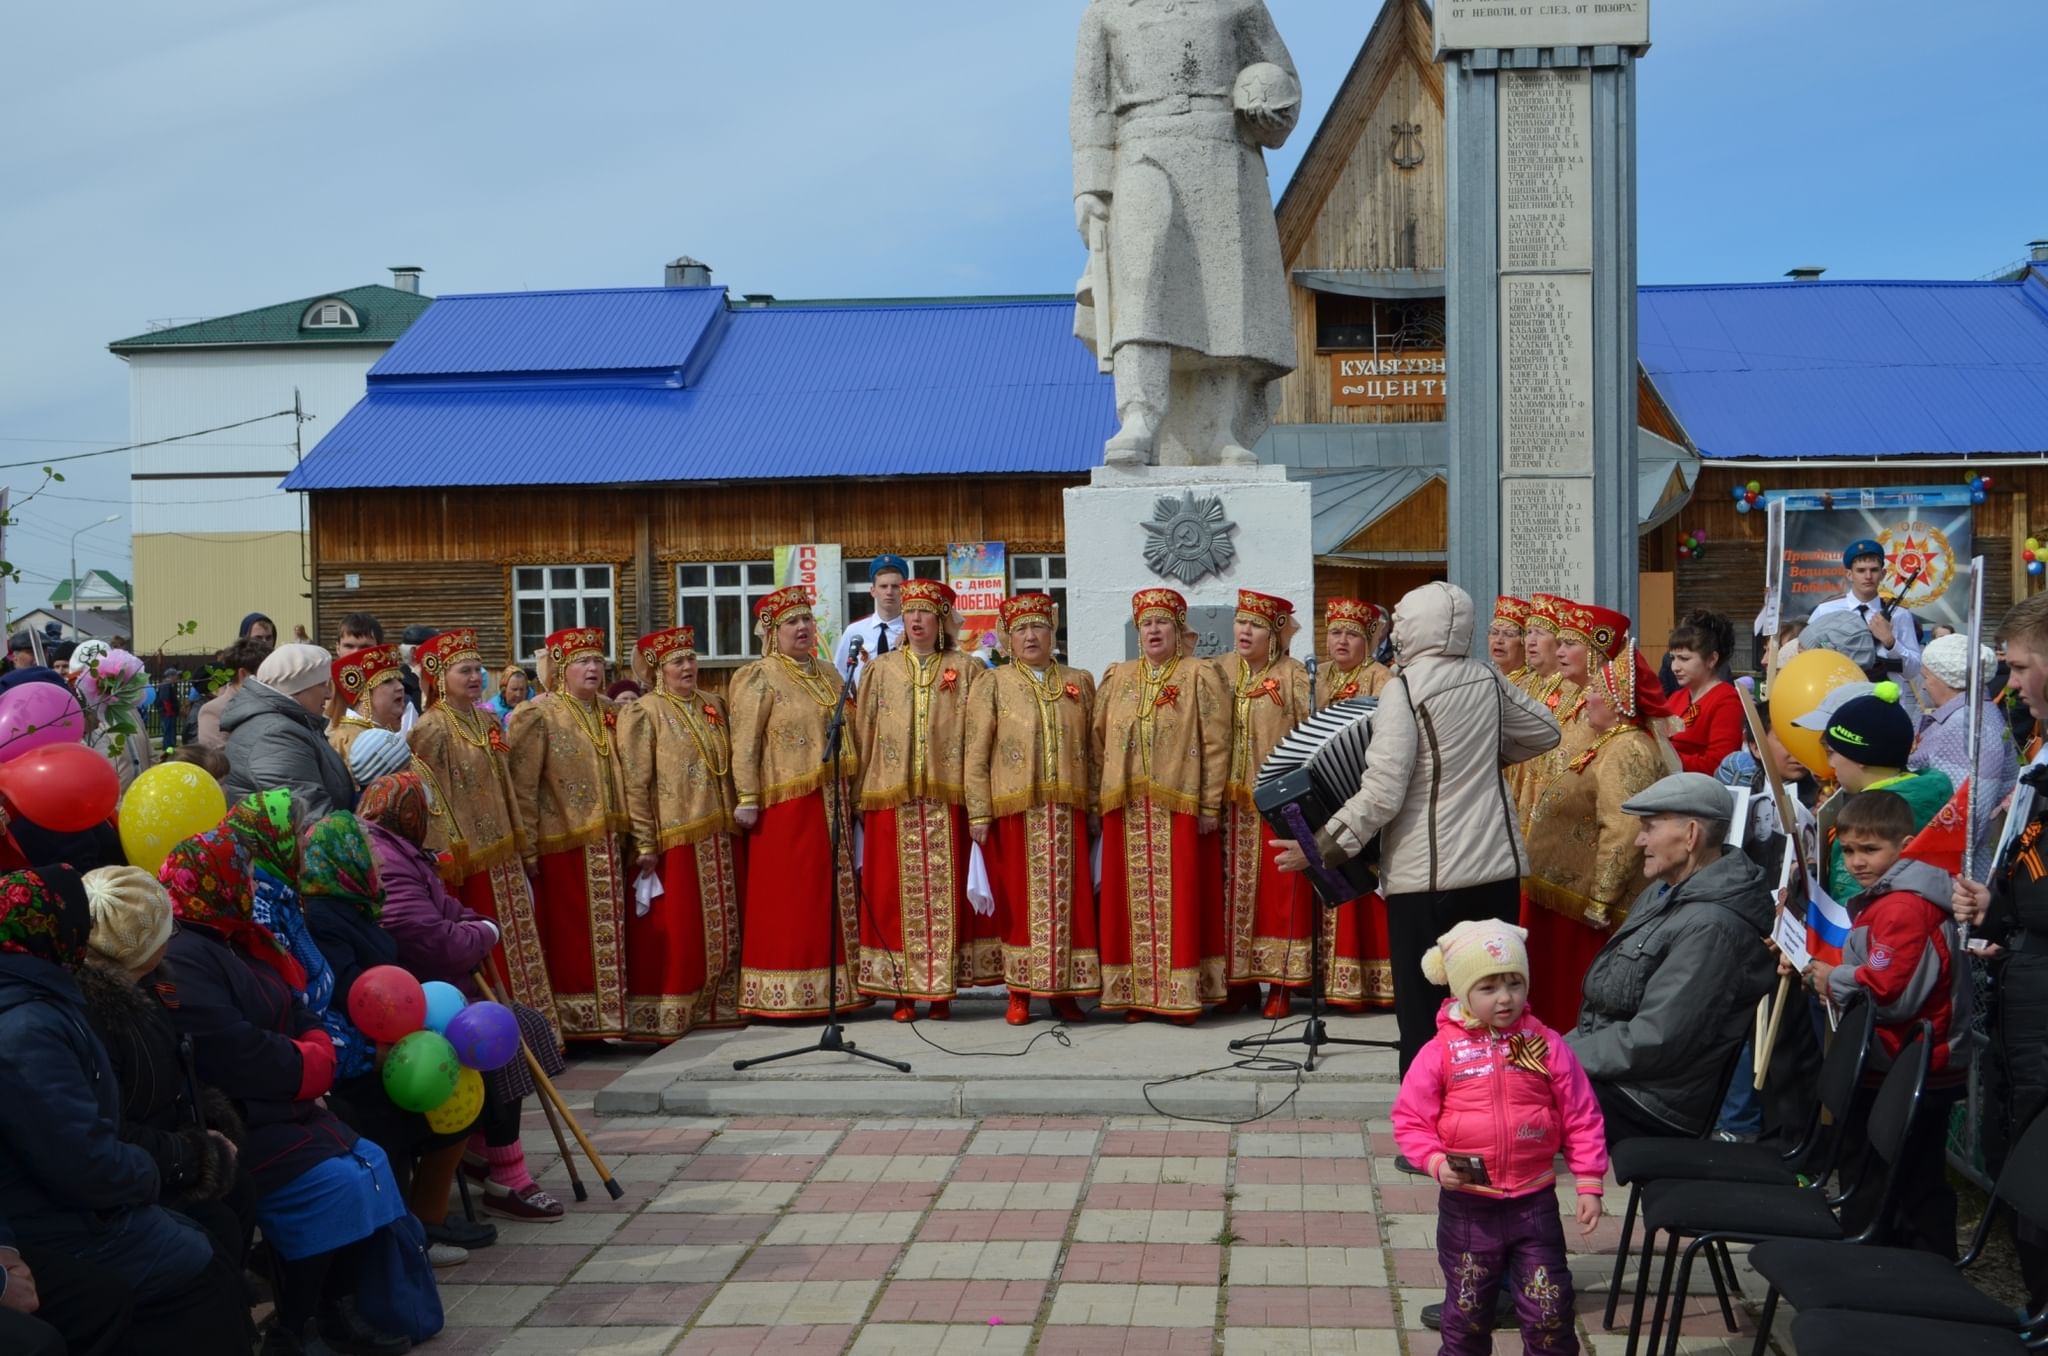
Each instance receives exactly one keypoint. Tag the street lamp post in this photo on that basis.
(110, 518)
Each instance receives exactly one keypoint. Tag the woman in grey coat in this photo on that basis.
(1673, 994)
(276, 728)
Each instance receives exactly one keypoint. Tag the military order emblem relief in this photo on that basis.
(1189, 538)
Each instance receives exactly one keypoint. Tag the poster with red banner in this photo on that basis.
(1925, 533)
(976, 573)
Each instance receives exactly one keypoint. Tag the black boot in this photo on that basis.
(1503, 1314)
(346, 1330)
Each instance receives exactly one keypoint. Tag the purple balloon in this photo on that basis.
(37, 715)
(485, 1036)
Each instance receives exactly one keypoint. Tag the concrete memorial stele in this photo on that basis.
(1185, 301)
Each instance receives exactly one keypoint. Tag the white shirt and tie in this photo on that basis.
(1905, 631)
(877, 637)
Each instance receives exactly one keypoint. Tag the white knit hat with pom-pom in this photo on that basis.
(1470, 952)
(131, 914)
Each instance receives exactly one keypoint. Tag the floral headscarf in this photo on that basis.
(399, 803)
(267, 824)
(43, 914)
(208, 877)
(338, 864)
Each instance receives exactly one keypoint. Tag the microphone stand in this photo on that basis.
(832, 1040)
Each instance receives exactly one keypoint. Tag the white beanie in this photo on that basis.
(131, 914)
(291, 669)
(1470, 952)
(377, 753)
(1949, 660)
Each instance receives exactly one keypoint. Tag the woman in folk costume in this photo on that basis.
(918, 938)
(565, 777)
(1356, 968)
(1584, 865)
(1162, 742)
(794, 893)
(1549, 681)
(1353, 630)
(683, 952)
(1506, 637)
(1029, 792)
(461, 753)
(1266, 915)
(370, 684)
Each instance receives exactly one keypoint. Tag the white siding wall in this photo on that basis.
(179, 391)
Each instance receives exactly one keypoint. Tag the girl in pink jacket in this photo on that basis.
(1484, 1109)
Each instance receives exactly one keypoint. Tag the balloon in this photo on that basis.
(485, 1036)
(1985, 481)
(1699, 534)
(1738, 490)
(1977, 496)
(420, 1073)
(1801, 686)
(1684, 552)
(2027, 554)
(387, 1004)
(1742, 506)
(37, 715)
(164, 806)
(66, 788)
(1755, 487)
(443, 1002)
(2034, 568)
(459, 1112)
(2033, 543)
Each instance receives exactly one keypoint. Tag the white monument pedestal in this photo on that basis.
(1263, 525)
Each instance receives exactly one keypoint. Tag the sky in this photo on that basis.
(209, 157)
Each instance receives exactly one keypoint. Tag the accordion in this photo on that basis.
(1307, 778)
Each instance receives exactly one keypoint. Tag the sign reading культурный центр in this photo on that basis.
(1468, 25)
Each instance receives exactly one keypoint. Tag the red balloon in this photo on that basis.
(66, 788)
(1985, 481)
(387, 1004)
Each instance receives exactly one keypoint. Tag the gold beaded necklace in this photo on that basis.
(1343, 678)
(1048, 691)
(710, 743)
(821, 690)
(478, 735)
(1248, 686)
(1150, 688)
(592, 723)
(924, 673)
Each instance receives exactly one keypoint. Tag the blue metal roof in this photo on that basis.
(779, 392)
(1853, 369)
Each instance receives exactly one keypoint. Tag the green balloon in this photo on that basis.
(421, 1071)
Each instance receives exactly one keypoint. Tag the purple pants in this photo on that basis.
(1481, 1241)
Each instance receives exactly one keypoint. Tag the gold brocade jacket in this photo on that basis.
(565, 773)
(913, 727)
(1029, 743)
(780, 711)
(1527, 780)
(343, 732)
(677, 768)
(1266, 704)
(1163, 733)
(1583, 858)
(466, 762)
(1335, 685)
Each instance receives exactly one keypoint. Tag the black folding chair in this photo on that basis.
(1833, 1332)
(1712, 1212)
(1908, 1282)
(1639, 1162)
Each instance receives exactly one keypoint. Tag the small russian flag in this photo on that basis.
(1827, 925)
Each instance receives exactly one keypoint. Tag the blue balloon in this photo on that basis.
(1977, 496)
(1742, 506)
(1740, 490)
(443, 1002)
(148, 698)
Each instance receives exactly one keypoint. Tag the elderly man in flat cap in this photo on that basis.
(1673, 993)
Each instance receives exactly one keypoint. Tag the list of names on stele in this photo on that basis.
(1546, 170)
(1546, 547)
(1546, 360)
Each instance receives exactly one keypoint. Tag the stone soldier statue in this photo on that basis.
(1185, 297)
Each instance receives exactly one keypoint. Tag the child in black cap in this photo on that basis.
(1868, 741)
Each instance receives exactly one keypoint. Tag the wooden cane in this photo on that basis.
(576, 1187)
(547, 1090)
(1770, 1041)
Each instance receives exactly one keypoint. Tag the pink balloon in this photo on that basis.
(37, 715)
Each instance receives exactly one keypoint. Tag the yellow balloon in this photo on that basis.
(460, 1111)
(163, 807)
(1801, 685)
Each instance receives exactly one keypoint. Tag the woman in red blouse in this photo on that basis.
(1709, 714)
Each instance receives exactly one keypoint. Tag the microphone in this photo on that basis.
(855, 655)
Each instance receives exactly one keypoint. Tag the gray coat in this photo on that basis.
(1673, 993)
(273, 741)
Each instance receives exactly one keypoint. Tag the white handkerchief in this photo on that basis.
(980, 897)
(646, 890)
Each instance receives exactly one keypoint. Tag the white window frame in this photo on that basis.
(756, 581)
(344, 317)
(549, 592)
(1047, 582)
(858, 585)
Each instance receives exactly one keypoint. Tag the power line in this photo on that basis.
(153, 442)
(96, 441)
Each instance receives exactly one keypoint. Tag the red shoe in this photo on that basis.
(942, 1012)
(1279, 1002)
(906, 1011)
(533, 1204)
(1134, 1016)
(1239, 998)
(1068, 1010)
(1184, 1018)
(1020, 1009)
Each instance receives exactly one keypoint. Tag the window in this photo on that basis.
(860, 602)
(1044, 574)
(330, 315)
(719, 601)
(1378, 324)
(550, 598)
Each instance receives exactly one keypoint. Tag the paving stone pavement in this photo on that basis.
(872, 1235)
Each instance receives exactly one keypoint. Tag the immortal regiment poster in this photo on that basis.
(817, 568)
(1925, 532)
(975, 571)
